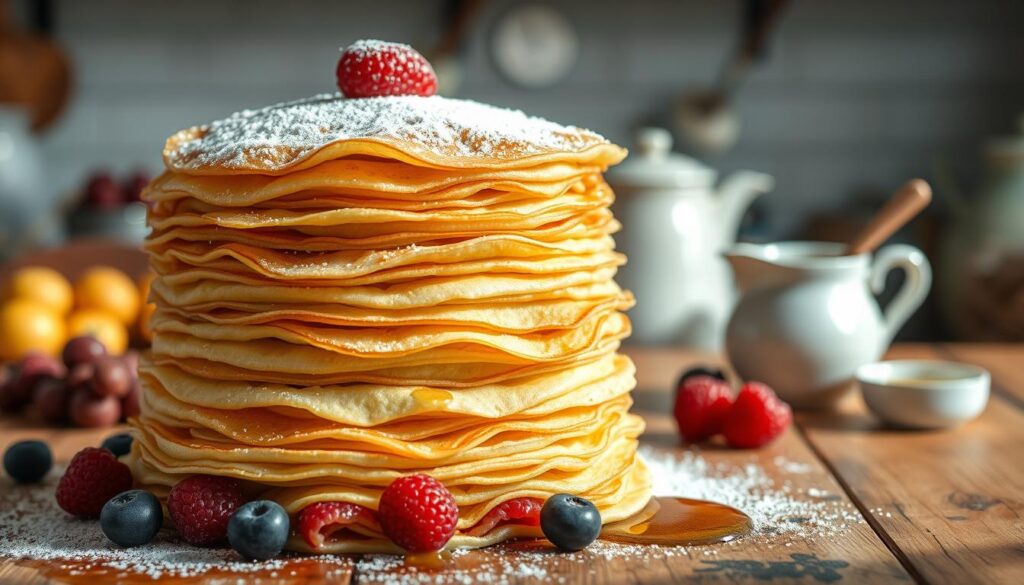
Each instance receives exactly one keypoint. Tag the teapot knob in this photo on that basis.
(654, 142)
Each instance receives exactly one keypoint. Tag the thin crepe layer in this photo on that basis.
(370, 405)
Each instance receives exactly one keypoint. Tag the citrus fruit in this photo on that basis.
(147, 308)
(27, 325)
(106, 328)
(110, 290)
(43, 285)
(145, 330)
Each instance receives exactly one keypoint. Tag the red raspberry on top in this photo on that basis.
(317, 522)
(200, 507)
(418, 513)
(378, 68)
(93, 477)
(756, 418)
(701, 404)
(522, 511)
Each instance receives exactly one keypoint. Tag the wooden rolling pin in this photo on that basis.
(903, 206)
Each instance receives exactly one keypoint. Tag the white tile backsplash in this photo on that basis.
(854, 95)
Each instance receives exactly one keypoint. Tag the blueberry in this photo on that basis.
(570, 522)
(701, 371)
(119, 444)
(28, 461)
(132, 518)
(258, 530)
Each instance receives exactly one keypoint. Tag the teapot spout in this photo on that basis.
(735, 194)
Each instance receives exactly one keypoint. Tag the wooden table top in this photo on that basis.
(928, 507)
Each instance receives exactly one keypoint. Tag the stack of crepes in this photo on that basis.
(352, 290)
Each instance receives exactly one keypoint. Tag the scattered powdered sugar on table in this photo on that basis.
(33, 527)
(775, 509)
(273, 137)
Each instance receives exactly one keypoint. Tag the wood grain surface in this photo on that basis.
(928, 507)
(948, 503)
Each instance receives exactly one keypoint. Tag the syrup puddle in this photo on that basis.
(671, 521)
(431, 561)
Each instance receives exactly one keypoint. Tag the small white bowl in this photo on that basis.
(924, 394)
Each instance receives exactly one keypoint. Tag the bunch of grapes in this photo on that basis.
(86, 388)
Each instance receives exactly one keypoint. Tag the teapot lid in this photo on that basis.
(655, 165)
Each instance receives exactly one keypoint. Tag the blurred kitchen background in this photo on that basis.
(843, 102)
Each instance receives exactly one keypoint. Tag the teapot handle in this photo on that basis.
(914, 290)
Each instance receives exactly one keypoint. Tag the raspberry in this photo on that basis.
(377, 68)
(317, 522)
(756, 418)
(418, 513)
(523, 511)
(93, 477)
(200, 507)
(701, 404)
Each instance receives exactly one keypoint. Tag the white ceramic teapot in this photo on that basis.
(23, 198)
(807, 317)
(676, 226)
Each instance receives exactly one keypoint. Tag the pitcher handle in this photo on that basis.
(914, 290)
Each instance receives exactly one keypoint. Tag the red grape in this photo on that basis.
(8, 373)
(134, 185)
(131, 359)
(101, 191)
(32, 367)
(90, 410)
(84, 349)
(130, 403)
(81, 375)
(112, 378)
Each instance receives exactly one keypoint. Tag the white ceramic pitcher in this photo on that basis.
(807, 317)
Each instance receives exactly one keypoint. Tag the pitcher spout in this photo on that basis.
(747, 265)
(758, 266)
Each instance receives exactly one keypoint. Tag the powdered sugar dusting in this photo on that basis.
(277, 136)
(33, 528)
(371, 46)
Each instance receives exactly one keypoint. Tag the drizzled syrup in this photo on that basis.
(680, 521)
(431, 398)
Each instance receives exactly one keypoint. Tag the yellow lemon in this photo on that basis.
(145, 330)
(106, 328)
(27, 325)
(110, 290)
(144, 284)
(147, 308)
(43, 285)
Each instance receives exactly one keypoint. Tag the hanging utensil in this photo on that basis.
(34, 72)
(706, 117)
(445, 56)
